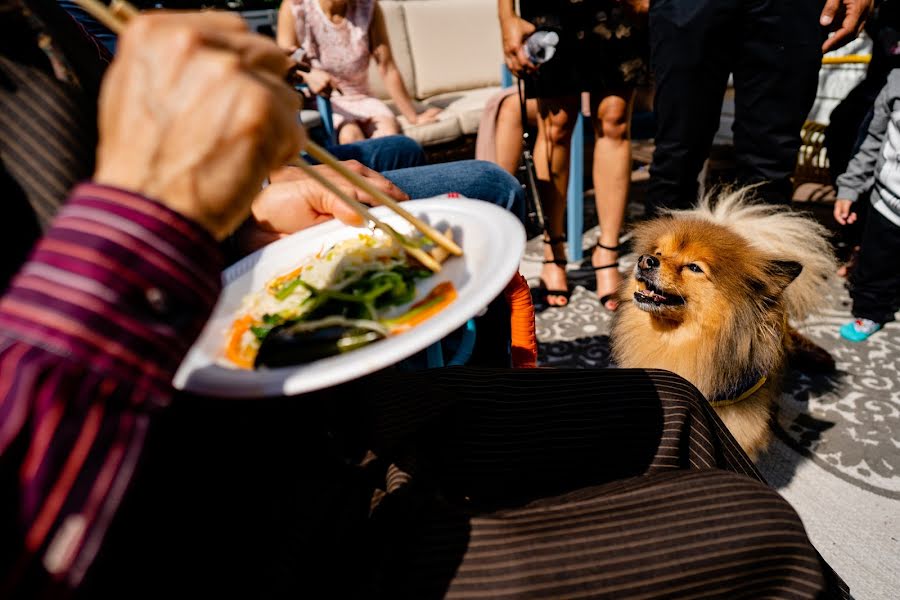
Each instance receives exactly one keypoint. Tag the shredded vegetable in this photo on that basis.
(335, 302)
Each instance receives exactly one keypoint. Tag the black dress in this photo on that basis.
(603, 47)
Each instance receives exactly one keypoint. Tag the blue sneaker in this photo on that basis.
(859, 330)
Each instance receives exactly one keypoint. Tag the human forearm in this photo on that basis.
(860, 172)
(285, 35)
(94, 327)
(120, 285)
(393, 82)
(514, 31)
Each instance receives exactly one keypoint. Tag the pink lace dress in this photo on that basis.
(343, 51)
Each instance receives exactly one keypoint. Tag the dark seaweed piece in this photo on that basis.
(285, 345)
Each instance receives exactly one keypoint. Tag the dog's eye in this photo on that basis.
(695, 268)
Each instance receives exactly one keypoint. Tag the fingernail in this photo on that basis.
(825, 20)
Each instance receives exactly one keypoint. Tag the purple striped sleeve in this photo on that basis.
(120, 282)
(92, 330)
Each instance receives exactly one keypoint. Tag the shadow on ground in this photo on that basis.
(583, 353)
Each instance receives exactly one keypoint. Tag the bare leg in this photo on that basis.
(350, 132)
(508, 138)
(612, 177)
(509, 132)
(384, 126)
(551, 162)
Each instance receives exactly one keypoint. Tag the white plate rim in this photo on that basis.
(200, 375)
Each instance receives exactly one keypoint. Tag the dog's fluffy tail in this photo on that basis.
(784, 234)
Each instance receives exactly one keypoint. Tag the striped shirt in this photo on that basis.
(92, 330)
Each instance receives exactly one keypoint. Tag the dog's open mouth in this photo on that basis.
(653, 296)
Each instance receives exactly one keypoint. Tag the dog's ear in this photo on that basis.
(773, 278)
(782, 272)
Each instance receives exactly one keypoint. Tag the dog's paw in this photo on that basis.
(805, 355)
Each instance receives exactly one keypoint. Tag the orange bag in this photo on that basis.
(521, 308)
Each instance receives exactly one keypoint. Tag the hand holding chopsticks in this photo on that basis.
(218, 124)
(361, 209)
(321, 155)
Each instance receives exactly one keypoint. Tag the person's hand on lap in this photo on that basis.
(429, 115)
(294, 201)
(321, 83)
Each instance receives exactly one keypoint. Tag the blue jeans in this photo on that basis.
(475, 179)
(383, 154)
(92, 26)
(402, 160)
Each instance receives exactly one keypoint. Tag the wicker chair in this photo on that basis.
(812, 160)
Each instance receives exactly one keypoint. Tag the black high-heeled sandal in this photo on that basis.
(606, 298)
(562, 262)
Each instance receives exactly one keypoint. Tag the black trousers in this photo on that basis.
(875, 282)
(458, 482)
(773, 48)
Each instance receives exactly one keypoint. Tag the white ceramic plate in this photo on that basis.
(492, 240)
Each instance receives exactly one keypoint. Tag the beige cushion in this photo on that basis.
(466, 106)
(455, 44)
(445, 130)
(396, 29)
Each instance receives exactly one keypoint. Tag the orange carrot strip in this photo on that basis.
(240, 355)
(443, 294)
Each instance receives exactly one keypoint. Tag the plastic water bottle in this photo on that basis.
(541, 46)
(298, 55)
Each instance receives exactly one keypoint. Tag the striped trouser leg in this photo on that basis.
(574, 483)
(676, 534)
(495, 433)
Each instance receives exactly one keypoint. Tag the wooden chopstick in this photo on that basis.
(120, 12)
(360, 208)
(113, 21)
(358, 181)
(123, 10)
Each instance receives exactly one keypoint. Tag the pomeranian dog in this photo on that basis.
(713, 291)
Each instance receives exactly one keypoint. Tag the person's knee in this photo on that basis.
(350, 133)
(384, 126)
(613, 125)
(509, 112)
(557, 127)
(387, 153)
(677, 392)
(409, 151)
(612, 119)
(499, 187)
(498, 177)
(768, 509)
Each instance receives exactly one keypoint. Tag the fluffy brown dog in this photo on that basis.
(711, 297)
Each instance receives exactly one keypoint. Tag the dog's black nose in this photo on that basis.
(647, 262)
